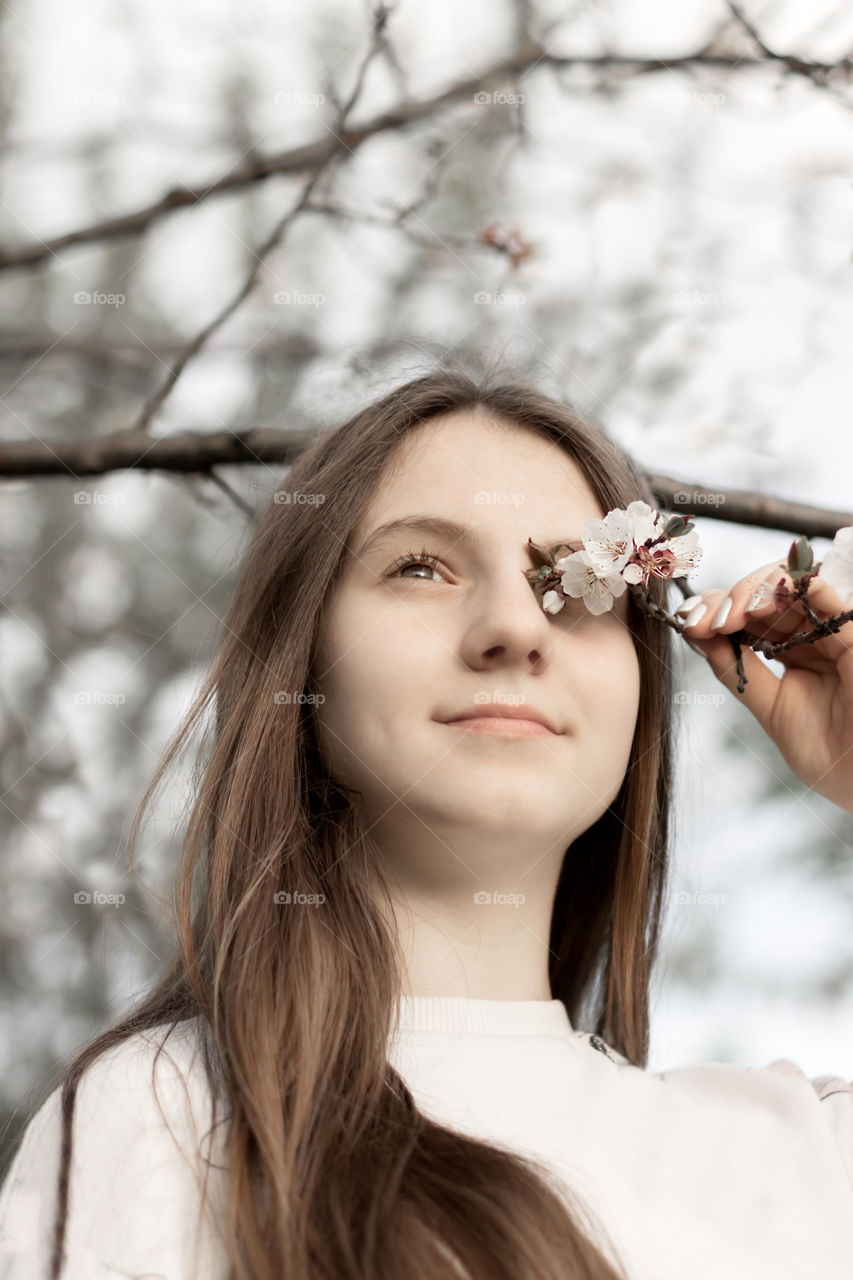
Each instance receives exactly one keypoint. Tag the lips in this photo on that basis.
(508, 712)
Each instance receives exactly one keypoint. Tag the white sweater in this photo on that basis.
(713, 1172)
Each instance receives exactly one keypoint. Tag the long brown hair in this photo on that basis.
(333, 1171)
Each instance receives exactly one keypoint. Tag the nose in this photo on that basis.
(507, 624)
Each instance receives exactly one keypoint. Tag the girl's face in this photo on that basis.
(405, 649)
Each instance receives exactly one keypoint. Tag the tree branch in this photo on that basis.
(191, 452)
(185, 451)
(314, 155)
(155, 402)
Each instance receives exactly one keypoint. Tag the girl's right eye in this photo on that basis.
(423, 558)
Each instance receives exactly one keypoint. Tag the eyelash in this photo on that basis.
(410, 557)
(426, 557)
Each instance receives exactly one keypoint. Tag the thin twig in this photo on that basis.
(155, 402)
(313, 155)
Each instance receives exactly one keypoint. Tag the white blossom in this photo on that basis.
(583, 577)
(552, 602)
(672, 558)
(611, 542)
(837, 565)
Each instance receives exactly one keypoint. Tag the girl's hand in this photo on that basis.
(808, 712)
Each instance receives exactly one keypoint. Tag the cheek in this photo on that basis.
(608, 671)
(360, 674)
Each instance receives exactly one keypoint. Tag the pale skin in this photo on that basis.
(807, 711)
(456, 812)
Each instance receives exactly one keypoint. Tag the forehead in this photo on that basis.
(486, 472)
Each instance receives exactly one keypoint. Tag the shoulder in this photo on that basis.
(143, 1137)
(816, 1110)
(772, 1104)
(158, 1072)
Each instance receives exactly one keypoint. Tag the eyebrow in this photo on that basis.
(440, 527)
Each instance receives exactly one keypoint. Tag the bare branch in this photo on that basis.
(295, 347)
(745, 506)
(155, 402)
(186, 451)
(195, 453)
(313, 155)
(816, 71)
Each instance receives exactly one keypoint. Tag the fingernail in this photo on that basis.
(696, 615)
(722, 613)
(762, 595)
(689, 604)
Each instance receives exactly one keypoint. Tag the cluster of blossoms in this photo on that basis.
(630, 546)
(509, 241)
(625, 548)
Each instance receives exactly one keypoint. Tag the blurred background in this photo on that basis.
(646, 206)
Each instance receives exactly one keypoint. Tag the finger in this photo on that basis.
(762, 688)
(753, 601)
(823, 600)
(745, 593)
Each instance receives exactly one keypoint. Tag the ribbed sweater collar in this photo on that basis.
(496, 1017)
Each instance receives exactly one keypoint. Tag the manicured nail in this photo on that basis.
(763, 594)
(696, 615)
(722, 613)
(689, 604)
